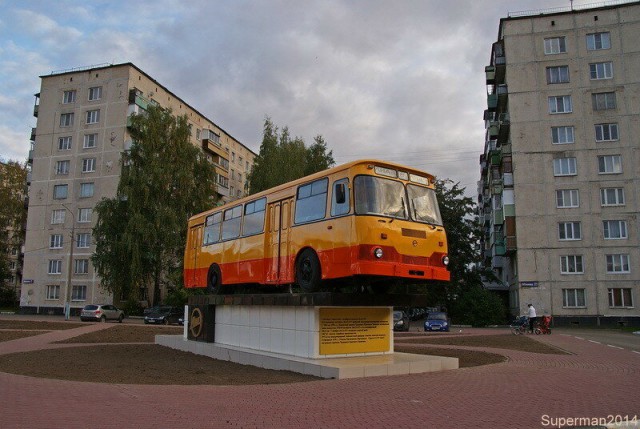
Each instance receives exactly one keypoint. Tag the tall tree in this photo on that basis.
(13, 179)
(283, 159)
(164, 180)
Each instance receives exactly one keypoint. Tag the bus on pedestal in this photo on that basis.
(368, 222)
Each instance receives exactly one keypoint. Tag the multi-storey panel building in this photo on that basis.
(560, 173)
(81, 132)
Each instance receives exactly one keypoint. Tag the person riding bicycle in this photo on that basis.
(532, 317)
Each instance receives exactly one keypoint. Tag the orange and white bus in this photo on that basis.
(370, 221)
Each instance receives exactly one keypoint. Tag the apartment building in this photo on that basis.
(81, 132)
(559, 194)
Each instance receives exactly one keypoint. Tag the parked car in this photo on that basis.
(436, 321)
(101, 313)
(164, 315)
(400, 321)
(147, 311)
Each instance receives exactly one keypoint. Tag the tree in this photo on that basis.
(464, 296)
(283, 159)
(13, 179)
(164, 181)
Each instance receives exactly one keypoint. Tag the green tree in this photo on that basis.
(13, 178)
(140, 234)
(464, 296)
(283, 159)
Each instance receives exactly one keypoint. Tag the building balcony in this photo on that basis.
(511, 245)
(492, 101)
(490, 73)
(33, 135)
(137, 98)
(498, 217)
(35, 110)
(30, 157)
(503, 95)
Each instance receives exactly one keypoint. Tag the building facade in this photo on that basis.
(559, 194)
(81, 132)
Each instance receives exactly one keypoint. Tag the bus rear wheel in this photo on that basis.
(214, 280)
(308, 271)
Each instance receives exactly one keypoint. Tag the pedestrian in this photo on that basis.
(532, 317)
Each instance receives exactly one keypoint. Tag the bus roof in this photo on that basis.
(313, 176)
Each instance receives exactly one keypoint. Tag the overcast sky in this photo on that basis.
(394, 80)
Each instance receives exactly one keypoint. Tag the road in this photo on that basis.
(610, 337)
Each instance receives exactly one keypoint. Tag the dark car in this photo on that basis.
(436, 321)
(101, 313)
(164, 315)
(400, 321)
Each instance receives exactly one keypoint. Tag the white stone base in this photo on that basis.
(337, 367)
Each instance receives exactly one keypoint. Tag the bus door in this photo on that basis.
(195, 241)
(279, 269)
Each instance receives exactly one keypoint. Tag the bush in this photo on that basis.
(479, 307)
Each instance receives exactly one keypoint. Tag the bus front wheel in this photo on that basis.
(214, 280)
(308, 271)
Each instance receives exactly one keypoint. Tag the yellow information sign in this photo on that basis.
(354, 330)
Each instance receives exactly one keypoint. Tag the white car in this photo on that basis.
(101, 313)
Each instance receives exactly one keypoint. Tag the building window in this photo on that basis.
(83, 240)
(614, 229)
(612, 196)
(601, 70)
(66, 120)
(620, 297)
(223, 181)
(55, 241)
(564, 167)
(79, 293)
(86, 190)
(618, 263)
(560, 104)
(606, 132)
(571, 264)
(603, 101)
(610, 164)
(562, 135)
(569, 231)
(84, 215)
(567, 198)
(62, 167)
(64, 143)
(90, 141)
(81, 266)
(240, 161)
(53, 292)
(95, 93)
(596, 41)
(573, 298)
(57, 216)
(60, 192)
(93, 116)
(69, 97)
(88, 165)
(555, 45)
(558, 74)
(55, 266)
(233, 174)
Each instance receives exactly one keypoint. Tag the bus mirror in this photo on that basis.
(341, 194)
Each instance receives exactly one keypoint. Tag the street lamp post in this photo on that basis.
(67, 297)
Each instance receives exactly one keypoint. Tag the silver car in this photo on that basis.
(101, 313)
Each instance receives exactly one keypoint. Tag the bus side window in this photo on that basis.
(254, 217)
(231, 223)
(212, 229)
(340, 200)
(311, 202)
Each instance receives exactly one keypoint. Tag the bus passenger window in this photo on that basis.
(212, 229)
(254, 217)
(340, 201)
(311, 202)
(231, 223)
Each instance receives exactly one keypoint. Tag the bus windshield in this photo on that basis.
(386, 197)
(424, 205)
(377, 196)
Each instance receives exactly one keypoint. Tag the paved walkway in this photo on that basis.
(527, 391)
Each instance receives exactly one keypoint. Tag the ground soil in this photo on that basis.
(126, 354)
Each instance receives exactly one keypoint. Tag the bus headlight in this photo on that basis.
(445, 261)
(377, 252)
